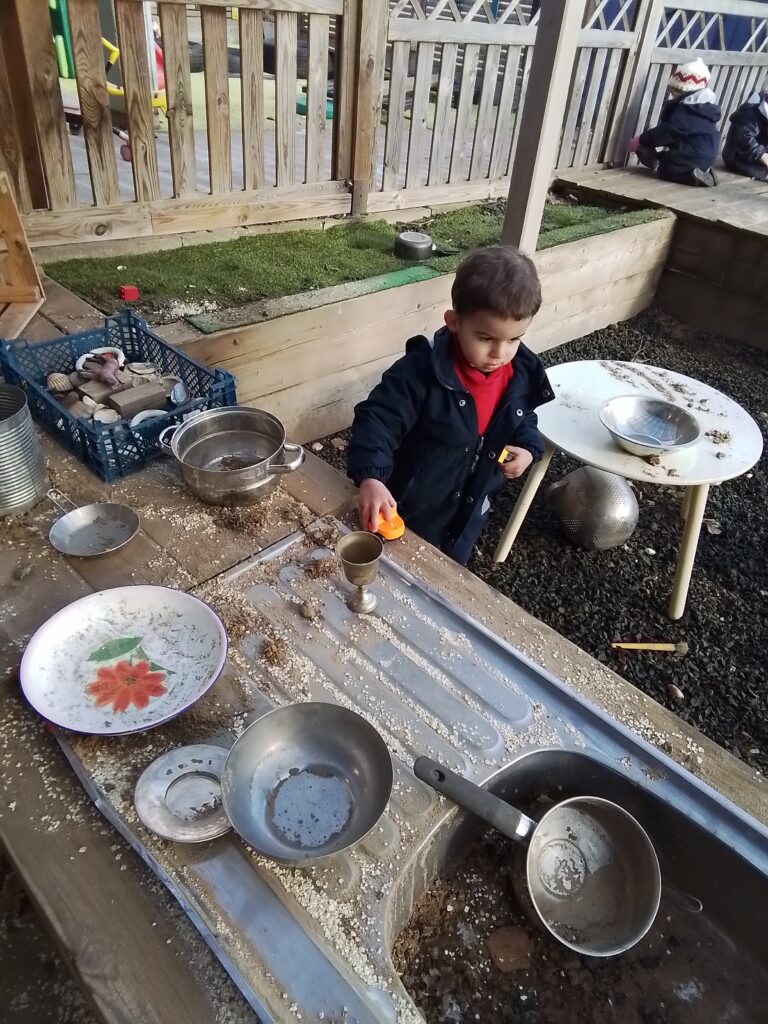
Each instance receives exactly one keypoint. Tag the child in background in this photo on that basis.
(746, 145)
(429, 437)
(683, 146)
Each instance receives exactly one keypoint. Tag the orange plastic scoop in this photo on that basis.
(391, 529)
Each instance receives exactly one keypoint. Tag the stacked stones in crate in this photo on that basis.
(105, 388)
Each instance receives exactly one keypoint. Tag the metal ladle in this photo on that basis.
(360, 553)
(591, 876)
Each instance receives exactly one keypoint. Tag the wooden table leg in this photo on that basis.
(522, 505)
(694, 516)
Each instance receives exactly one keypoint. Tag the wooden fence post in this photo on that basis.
(42, 74)
(541, 120)
(374, 22)
(633, 80)
(20, 116)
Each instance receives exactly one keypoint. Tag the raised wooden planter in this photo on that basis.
(716, 280)
(311, 368)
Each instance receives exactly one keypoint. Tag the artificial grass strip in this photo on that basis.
(266, 266)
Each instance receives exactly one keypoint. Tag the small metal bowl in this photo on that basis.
(306, 781)
(643, 425)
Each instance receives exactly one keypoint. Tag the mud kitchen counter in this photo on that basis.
(132, 948)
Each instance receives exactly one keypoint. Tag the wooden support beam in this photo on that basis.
(21, 112)
(374, 17)
(42, 72)
(21, 293)
(18, 293)
(17, 268)
(11, 156)
(541, 120)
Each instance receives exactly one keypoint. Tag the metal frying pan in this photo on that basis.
(591, 873)
(306, 781)
(91, 530)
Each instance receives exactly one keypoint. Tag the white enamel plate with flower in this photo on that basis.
(123, 660)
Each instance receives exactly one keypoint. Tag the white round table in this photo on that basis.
(730, 444)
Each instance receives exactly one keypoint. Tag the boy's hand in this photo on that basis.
(634, 145)
(518, 460)
(373, 499)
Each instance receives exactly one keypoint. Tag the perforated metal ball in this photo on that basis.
(597, 510)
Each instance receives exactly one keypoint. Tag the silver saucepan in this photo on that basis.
(231, 456)
(591, 875)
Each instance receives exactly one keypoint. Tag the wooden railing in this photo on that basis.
(731, 36)
(200, 169)
(474, 57)
(426, 102)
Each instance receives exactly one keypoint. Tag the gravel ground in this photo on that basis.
(594, 598)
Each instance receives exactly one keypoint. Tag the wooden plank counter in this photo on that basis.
(133, 950)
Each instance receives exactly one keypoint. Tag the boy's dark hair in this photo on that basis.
(499, 279)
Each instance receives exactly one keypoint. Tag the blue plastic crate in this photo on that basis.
(110, 450)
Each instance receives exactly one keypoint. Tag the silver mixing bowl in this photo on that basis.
(644, 425)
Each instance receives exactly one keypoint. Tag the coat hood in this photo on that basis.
(702, 103)
(758, 100)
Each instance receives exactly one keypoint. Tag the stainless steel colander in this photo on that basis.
(597, 510)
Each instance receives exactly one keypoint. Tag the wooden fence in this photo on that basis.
(266, 168)
(731, 36)
(475, 57)
(426, 102)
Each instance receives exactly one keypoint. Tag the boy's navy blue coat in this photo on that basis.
(747, 140)
(688, 128)
(417, 432)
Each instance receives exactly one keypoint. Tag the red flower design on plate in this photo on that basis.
(126, 683)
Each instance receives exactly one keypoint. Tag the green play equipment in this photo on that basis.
(62, 40)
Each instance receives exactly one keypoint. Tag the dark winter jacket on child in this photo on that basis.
(747, 139)
(688, 129)
(417, 432)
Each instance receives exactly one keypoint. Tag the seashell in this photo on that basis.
(80, 410)
(179, 394)
(59, 383)
(89, 402)
(105, 415)
(143, 368)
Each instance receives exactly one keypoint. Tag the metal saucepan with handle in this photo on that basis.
(231, 456)
(91, 530)
(591, 875)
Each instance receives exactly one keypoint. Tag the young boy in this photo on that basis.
(429, 436)
(746, 145)
(684, 144)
